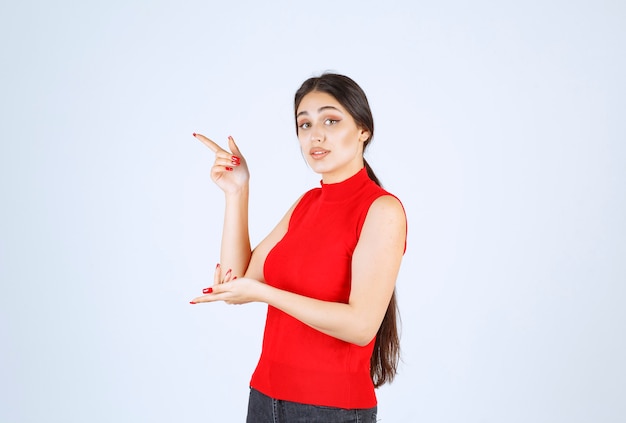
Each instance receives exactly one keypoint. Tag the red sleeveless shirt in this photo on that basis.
(314, 258)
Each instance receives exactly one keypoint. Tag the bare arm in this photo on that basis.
(235, 252)
(375, 265)
(230, 173)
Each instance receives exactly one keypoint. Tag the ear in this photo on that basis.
(364, 135)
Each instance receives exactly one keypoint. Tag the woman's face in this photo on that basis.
(330, 139)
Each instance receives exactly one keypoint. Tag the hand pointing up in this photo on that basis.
(229, 171)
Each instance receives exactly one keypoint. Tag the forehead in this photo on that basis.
(314, 100)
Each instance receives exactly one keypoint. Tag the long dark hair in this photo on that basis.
(386, 354)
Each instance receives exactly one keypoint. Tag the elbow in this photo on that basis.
(364, 335)
(364, 329)
(362, 342)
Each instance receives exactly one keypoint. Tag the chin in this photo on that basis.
(320, 168)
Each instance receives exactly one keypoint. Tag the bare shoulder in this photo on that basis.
(385, 210)
(385, 224)
(382, 240)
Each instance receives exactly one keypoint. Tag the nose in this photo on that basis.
(316, 134)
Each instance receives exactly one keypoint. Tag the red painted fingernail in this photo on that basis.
(194, 134)
(235, 278)
(229, 169)
(229, 272)
(218, 266)
(191, 302)
(207, 290)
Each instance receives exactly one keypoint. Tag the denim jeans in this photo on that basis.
(263, 409)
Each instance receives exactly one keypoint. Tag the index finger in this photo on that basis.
(209, 143)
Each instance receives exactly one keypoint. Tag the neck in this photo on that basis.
(344, 173)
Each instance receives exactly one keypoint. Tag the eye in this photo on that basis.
(331, 121)
(304, 125)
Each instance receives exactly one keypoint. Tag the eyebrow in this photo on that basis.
(321, 109)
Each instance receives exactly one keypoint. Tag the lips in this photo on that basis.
(318, 153)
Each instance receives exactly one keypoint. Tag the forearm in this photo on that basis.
(235, 248)
(339, 320)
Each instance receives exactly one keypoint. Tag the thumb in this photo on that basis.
(233, 147)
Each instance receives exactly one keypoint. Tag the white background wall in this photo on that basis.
(499, 124)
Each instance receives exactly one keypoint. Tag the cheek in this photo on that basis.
(349, 139)
(301, 142)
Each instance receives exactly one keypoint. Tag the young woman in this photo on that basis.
(327, 271)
